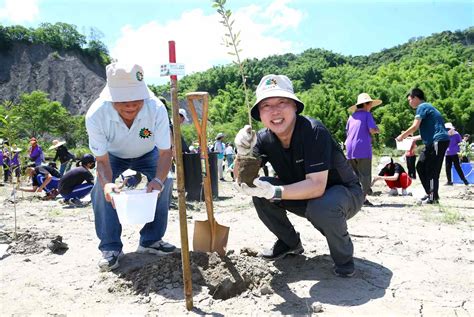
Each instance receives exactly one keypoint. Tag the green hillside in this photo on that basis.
(329, 83)
(326, 82)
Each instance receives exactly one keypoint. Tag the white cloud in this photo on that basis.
(198, 38)
(18, 11)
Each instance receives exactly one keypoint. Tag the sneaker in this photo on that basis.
(368, 203)
(159, 247)
(109, 261)
(405, 193)
(466, 183)
(75, 202)
(448, 184)
(345, 270)
(429, 201)
(393, 192)
(280, 249)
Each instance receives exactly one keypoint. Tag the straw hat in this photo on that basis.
(128, 173)
(275, 86)
(56, 144)
(363, 98)
(16, 149)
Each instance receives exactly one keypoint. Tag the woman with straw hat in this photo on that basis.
(65, 157)
(359, 130)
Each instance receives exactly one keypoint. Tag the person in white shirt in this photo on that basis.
(128, 128)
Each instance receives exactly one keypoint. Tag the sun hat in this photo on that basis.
(15, 148)
(183, 113)
(363, 98)
(274, 86)
(56, 144)
(449, 125)
(220, 135)
(125, 83)
(384, 160)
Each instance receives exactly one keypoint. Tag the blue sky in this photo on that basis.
(138, 31)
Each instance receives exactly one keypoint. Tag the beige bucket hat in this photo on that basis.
(275, 86)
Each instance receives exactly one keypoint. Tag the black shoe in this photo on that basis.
(430, 201)
(466, 183)
(368, 203)
(345, 270)
(448, 184)
(280, 249)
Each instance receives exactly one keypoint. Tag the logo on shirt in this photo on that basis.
(139, 76)
(145, 133)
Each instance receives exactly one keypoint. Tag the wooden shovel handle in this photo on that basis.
(201, 129)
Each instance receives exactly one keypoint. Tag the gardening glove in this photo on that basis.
(263, 189)
(245, 140)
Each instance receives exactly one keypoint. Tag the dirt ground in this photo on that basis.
(411, 261)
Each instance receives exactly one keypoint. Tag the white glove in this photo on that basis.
(245, 140)
(263, 190)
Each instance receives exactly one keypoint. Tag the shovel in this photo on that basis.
(209, 236)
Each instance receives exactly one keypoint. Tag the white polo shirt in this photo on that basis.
(109, 134)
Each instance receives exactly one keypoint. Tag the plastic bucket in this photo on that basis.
(404, 145)
(135, 206)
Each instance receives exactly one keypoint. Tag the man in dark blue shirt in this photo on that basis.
(314, 181)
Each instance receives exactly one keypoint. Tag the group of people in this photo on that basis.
(128, 128)
(73, 185)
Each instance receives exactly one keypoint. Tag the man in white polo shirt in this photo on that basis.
(128, 128)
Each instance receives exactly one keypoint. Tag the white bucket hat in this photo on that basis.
(449, 125)
(275, 86)
(183, 113)
(125, 83)
(220, 135)
(363, 98)
(384, 160)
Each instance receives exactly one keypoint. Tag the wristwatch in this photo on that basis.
(156, 179)
(278, 193)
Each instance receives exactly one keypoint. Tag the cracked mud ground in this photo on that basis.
(411, 261)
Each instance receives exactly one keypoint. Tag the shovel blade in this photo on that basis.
(202, 237)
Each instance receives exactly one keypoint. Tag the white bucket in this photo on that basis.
(404, 145)
(135, 206)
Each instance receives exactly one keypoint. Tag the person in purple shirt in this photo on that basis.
(452, 154)
(35, 152)
(14, 164)
(359, 129)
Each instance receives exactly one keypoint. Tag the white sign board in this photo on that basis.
(172, 69)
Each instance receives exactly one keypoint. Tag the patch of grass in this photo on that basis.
(442, 213)
(55, 212)
(451, 217)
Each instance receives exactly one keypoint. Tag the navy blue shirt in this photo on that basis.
(312, 149)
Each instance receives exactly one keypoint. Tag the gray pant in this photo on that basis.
(327, 213)
(363, 170)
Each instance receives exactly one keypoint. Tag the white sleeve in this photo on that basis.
(162, 129)
(97, 138)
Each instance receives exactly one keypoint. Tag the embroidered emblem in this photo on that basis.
(139, 76)
(271, 81)
(145, 133)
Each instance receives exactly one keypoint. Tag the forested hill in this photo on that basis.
(329, 83)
